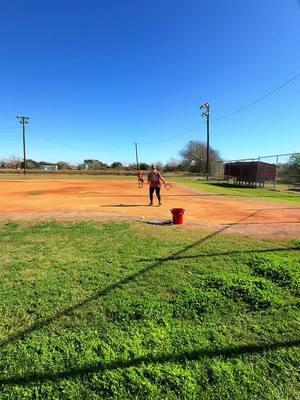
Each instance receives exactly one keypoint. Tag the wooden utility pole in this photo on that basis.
(137, 157)
(206, 108)
(23, 120)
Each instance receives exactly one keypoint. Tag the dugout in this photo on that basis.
(250, 173)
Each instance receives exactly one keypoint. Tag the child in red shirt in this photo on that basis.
(140, 176)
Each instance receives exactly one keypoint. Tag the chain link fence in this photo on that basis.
(279, 171)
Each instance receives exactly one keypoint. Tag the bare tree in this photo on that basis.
(172, 165)
(14, 162)
(194, 156)
(63, 165)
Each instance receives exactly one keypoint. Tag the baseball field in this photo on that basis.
(249, 211)
(100, 301)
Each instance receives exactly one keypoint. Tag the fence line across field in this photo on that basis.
(272, 166)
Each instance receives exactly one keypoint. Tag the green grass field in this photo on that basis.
(131, 311)
(235, 191)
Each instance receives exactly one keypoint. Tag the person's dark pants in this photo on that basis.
(157, 191)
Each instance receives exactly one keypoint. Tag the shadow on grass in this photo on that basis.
(181, 357)
(232, 185)
(154, 265)
(225, 253)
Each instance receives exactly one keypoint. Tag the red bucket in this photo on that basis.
(177, 214)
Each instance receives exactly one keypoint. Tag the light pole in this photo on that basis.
(23, 120)
(205, 113)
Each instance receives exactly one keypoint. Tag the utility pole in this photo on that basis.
(23, 120)
(205, 113)
(137, 157)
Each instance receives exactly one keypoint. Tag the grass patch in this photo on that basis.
(283, 272)
(119, 310)
(235, 191)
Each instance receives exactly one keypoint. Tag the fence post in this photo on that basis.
(258, 172)
(276, 172)
(241, 173)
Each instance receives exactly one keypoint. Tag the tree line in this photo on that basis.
(192, 159)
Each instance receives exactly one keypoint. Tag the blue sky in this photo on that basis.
(96, 76)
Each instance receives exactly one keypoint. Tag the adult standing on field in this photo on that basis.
(154, 178)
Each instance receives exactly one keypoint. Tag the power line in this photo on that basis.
(78, 148)
(167, 139)
(8, 128)
(259, 99)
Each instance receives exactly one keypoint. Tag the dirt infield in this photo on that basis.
(103, 200)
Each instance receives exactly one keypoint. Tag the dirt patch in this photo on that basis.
(114, 200)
